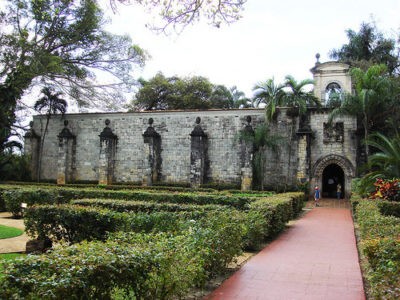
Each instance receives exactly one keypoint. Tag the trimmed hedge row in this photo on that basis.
(389, 208)
(380, 243)
(156, 266)
(96, 270)
(73, 224)
(32, 195)
(159, 265)
(141, 206)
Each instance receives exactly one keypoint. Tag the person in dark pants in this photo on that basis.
(339, 191)
(317, 195)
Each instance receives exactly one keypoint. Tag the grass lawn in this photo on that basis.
(9, 232)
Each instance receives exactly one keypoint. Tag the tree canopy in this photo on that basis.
(161, 93)
(61, 44)
(180, 13)
(368, 46)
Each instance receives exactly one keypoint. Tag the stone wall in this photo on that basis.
(131, 154)
(191, 147)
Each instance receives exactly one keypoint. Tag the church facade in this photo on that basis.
(199, 147)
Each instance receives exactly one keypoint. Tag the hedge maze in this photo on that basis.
(135, 243)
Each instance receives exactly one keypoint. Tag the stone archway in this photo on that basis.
(335, 162)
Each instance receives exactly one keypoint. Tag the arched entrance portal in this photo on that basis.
(331, 177)
(329, 167)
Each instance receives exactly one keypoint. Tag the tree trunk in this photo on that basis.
(41, 148)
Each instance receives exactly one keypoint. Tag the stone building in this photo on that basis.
(198, 147)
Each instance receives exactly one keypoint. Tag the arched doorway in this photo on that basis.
(331, 177)
(329, 167)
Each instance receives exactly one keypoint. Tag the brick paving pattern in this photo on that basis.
(316, 258)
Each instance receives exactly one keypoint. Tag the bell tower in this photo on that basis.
(331, 81)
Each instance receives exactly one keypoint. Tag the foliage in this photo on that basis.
(368, 47)
(161, 93)
(9, 232)
(179, 14)
(52, 104)
(297, 97)
(262, 140)
(142, 206)
(379, 242)
(372, 99)
(270, 94)
(61, 44)
(387, 189)
(15, 197)
(17, 167)
(389, 208)
(144, 269)
(384, 163)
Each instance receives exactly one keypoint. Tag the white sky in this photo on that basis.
(273, 39)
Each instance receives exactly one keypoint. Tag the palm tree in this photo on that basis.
(297, 97)
(269, 93)
(263, 139)
(384, 164)
(372, 96)
(52, 104)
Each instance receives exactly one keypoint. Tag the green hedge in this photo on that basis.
(380, 243)
(141, 206)
(96, 270)
(33, 195)
(389, 208)
(73, 224)
(155, 266)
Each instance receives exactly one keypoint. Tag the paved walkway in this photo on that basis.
(16, 244)
(316, 258)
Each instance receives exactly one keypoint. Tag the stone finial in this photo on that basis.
(107, 133)
(198, 131)
(150, 131)
(317, 56)
(65, 132)
(151, 121)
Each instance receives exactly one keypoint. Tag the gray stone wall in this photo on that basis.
(221, 127)
(296, 157)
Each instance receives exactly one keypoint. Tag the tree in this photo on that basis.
(239, 98)
(297, 97)
(368, 47)
(197, 92)
(270, 94)
(373, 96)
(221, 97)
(61, 43)
(384, 163)
(52, 104)
(180, 13)
(263, 139)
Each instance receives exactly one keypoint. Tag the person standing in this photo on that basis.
(317, 195)
(339, 191)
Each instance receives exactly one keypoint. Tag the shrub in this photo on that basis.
(389, 208)
(387, 189)
(141, 206)
(73, 224)
(14, 198)
(379, 241)
(147, 269)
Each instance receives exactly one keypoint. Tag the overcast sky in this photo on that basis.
(273, 39)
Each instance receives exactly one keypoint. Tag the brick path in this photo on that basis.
(16, 244)
(316, 258)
